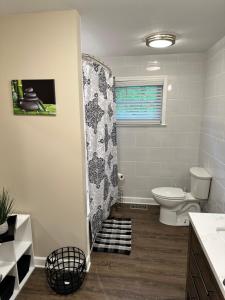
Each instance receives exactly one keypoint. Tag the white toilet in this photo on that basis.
(175, 204)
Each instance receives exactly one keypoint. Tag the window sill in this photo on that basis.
(139, 124)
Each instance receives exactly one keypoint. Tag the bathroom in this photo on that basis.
(44, 162)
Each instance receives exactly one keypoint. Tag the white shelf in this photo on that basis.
(15, 294)
(26, 277)
(20, 220)
(20, 248)
(16, 291)
(15, 250)
(6, 267)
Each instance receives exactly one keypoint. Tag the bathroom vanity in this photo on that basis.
(206, 257)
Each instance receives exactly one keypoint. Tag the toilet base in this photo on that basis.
(179, 217)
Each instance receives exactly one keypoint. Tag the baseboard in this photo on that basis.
(88, 261)
(39, 262)
(138, 200)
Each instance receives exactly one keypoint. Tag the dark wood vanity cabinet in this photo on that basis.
(201, 283)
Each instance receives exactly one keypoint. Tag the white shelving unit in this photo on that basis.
(11, 252)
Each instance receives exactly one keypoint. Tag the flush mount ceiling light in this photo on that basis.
(160, 40)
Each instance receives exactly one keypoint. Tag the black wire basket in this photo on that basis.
(66, 269)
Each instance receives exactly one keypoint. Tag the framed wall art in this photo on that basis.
(34, 97)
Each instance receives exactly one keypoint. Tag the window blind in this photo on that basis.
(139, 103)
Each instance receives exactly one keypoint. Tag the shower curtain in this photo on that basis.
(101, 144)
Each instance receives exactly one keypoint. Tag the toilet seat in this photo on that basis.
(169, 193)
(170, 199)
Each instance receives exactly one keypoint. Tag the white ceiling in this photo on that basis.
(118, 27)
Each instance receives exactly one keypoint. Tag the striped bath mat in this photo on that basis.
(114, 237)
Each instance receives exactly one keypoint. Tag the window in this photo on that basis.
(141, 100)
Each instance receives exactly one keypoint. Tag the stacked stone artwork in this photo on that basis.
(31, 102)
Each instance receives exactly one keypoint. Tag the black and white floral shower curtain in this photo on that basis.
(98, 91)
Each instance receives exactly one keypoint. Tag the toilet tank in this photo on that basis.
(200, 183)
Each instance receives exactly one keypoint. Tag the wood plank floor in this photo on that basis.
(155, 270)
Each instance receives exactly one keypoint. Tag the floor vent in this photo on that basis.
(139, 206)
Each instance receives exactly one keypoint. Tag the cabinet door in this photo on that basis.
(200, 278)
(192, 293)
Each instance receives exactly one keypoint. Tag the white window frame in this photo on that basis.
(147, 80)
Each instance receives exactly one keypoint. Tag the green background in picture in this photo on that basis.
(50, 110)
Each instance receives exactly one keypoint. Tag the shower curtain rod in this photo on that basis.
(90, 57)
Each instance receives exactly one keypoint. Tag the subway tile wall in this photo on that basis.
(212, 145)
(161, 156)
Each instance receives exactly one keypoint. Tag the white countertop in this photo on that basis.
(212, 241)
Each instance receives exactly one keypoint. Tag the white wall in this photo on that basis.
(41, 157)
(212, 147)
(161, 156)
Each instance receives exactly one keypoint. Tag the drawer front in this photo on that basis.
(202, 264)
(197, 280)
(195, 246)
(200, 272)
(191, 289)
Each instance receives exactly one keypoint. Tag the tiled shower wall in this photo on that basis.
(161, 156)
(212, 147)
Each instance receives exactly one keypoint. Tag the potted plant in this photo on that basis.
(6, 205)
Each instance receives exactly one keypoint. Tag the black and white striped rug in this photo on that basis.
(114, 237)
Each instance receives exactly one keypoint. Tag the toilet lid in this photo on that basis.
(169, 192)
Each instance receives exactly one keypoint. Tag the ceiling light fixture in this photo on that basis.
(160, 40)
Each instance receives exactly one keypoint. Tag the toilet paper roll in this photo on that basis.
(121, 177)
